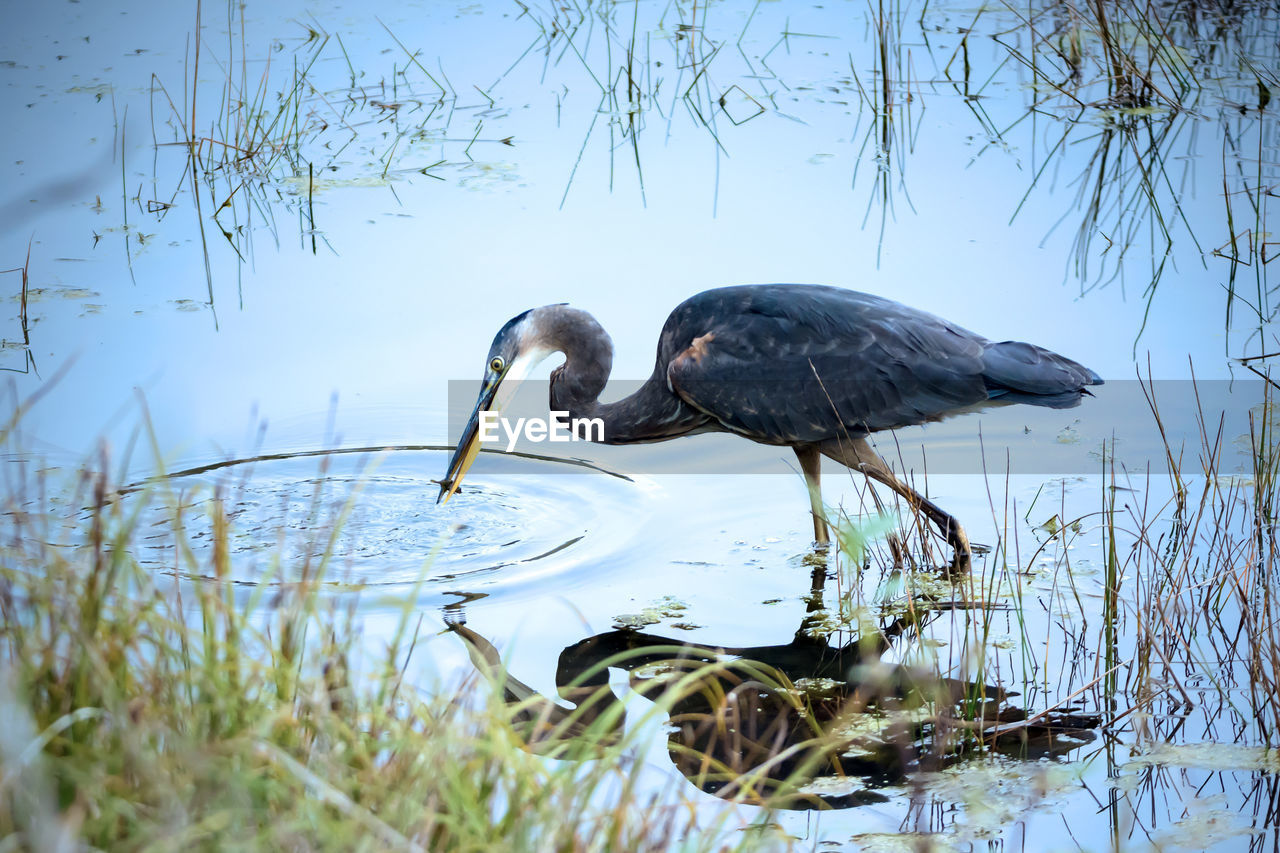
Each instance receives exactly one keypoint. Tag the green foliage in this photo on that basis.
(147, 712)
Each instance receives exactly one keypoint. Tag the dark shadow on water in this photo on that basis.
(797, 725)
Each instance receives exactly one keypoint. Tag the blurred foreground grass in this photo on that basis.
(144, 711)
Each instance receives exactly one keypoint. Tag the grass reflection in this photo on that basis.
(1120, 108)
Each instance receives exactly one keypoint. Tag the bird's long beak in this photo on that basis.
(468, 445)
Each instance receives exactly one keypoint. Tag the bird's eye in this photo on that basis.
(497, 364)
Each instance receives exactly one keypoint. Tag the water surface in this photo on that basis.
(375, 190)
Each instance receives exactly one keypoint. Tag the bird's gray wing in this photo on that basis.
(794, 365)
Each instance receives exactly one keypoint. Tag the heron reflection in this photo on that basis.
(799, 725)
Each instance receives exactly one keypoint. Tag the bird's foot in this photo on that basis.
(962, 561)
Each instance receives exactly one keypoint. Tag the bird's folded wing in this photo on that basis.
(790, 374)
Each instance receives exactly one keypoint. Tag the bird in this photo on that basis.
(814, 367)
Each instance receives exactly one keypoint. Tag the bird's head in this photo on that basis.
(519, 346)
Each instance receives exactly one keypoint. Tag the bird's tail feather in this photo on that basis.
(1019, 372)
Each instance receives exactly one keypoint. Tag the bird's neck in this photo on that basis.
(588, 357)
(576, 387)
(652, 413)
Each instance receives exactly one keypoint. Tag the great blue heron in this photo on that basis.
(812, 367)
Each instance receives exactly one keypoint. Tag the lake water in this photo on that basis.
(377, 187)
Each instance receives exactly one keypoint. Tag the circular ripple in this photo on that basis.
(372, 519)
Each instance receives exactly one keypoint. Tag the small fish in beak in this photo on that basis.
(516, 350)
(469, 444)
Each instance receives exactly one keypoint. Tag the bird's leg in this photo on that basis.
(811, 466)
(869, 463)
